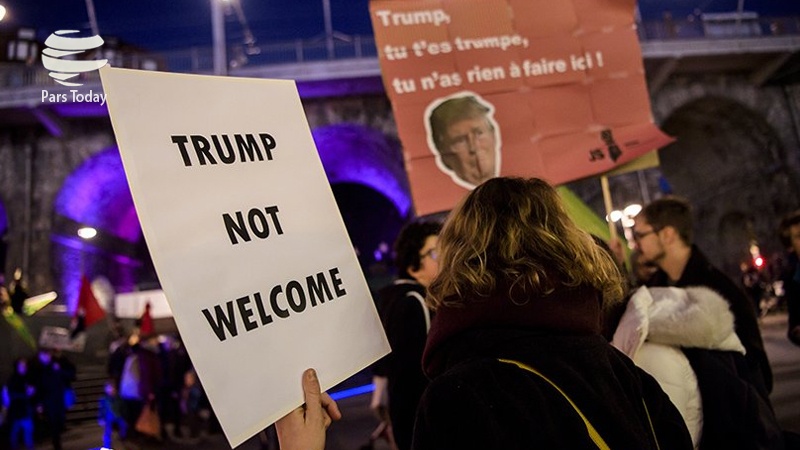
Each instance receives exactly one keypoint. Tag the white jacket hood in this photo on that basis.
(695, 317)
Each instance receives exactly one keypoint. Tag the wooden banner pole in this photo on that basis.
(612, 227)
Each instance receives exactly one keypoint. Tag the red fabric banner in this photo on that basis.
(88, 305)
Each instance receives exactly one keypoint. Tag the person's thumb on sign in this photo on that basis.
(304, 428)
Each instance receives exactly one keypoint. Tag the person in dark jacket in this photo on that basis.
(18, 397)
(790, 237)
(110, 414)
(406, 320)
(515, 352)
(663, 233)
(734, 388)
(51, 382)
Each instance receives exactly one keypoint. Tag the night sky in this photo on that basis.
(160, 25)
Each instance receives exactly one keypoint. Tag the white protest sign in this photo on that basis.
(130, 305)
(246, 238)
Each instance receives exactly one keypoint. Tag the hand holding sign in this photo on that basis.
(304, 427)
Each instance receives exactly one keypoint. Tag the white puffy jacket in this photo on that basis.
(658, 322)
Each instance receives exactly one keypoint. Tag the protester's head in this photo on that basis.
(790, 231)
(45, 356)
(110, 388)
(190, 378)
(21, 366)
(466, 139)
(670, 211)
(5, 298)
(662, 227)
(512, 237)
(416, 253)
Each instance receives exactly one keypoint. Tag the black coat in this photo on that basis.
(406, 330)
(700, 272)
(735, 415)
(791, 286)
(478, 402)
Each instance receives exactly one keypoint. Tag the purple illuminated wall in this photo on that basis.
(97, 194)
(356, 154)
(3, 221)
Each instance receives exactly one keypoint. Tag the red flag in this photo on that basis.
(146, 321)
(87, 304)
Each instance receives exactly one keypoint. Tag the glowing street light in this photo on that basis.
(626, 217)
(2, 12)
(87, 233)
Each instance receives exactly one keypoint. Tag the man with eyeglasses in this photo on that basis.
(466, 140)
(406, 320)
(663, 235)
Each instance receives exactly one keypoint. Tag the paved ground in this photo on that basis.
(352, 432)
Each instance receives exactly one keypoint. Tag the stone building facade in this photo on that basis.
(737, 159)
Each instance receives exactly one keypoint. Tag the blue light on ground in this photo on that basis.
(352, 392)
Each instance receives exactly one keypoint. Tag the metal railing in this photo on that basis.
(717, 28)
(200, 60)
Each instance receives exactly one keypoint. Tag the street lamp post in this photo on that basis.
(218, 34)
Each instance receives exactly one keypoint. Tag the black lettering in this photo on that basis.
(265, 318)
(273, 212)
(263, 233)
(228, 157)
(596, 154)
(203, 149)
(269, 144)
(238, 226)
(273, 302)
(315, 289)
(296, 286)
(248, 144)
(221, 321)
(246, 313)
(181, 141)
(337, 282)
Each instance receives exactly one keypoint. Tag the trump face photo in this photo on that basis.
(465, 138)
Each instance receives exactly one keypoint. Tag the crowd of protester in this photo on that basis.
(36, 397)
(151, 376)
(152, 394)
(494, 323)
(537, 341)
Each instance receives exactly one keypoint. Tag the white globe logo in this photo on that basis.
(58, 45)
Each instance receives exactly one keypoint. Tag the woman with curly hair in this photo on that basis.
(515, 352)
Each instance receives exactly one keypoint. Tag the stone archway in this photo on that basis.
(364, 166)
(356, 154)
(366, 172)
(728, 158)
(96, 194)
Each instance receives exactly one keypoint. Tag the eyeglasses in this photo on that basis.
(638, 235)
(432, 253)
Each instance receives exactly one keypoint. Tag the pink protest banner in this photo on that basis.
(484, 88)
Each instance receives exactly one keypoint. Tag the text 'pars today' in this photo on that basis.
(283, 300)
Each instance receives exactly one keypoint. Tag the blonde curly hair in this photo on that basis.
(512, 237)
